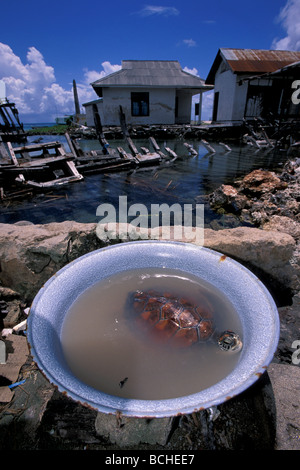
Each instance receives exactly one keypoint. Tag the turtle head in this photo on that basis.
(230, 341)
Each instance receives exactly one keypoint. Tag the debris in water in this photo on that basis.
(123, 382)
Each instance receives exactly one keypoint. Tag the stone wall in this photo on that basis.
(31, 254)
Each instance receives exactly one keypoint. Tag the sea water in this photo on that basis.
(188, 180)
(105, 348)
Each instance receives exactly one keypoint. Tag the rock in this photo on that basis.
(261, 181)
(31, 254)
(227, 197)
(56, 422)
(223, 193)
(286, 202)
(271, 253)
(259, 247)
(10, 307)
(127, 432)
(290, 226)
(289, 316)
(24, 222)
(12, 315)
(260, 195)
(245, 422)
(286, 387)
(283, 224)
(20, 423)
(8, 294)
(225, 221)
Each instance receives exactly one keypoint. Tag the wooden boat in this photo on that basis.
(11, 129)
(37, 165)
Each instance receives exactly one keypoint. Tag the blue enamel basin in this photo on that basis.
(251, 300)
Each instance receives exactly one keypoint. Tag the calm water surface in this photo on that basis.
(186, 181)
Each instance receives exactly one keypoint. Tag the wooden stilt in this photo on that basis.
(208, 146)
(191, 149)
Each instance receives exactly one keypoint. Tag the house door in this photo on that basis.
(215, 107)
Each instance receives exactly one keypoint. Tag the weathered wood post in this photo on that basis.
(76, 100)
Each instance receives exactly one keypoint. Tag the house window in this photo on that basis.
(140, 104)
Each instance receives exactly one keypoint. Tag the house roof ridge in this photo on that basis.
(106, 76)
(150, 60)
(170, 73)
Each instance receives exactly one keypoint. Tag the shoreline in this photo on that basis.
(189, 131)
(169, 131)
(283, 132)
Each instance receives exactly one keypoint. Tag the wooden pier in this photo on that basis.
(145, 158)
(41, 166)
(98, 161)
(108, 159)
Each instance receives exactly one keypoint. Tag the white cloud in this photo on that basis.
(149, 10)
(189, 42)
(10, 64)
(33, 88)
(289, 17)
(193, 71)
(108, 68)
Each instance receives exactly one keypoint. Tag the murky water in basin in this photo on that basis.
(105, 347)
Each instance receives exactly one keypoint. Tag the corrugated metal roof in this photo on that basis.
(287, 68)
(151, 73)
(258, 60)
(252, 61)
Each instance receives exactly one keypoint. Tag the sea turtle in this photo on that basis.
(176, 320)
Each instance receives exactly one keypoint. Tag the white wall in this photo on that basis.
(240, 98)
(161, 103)
(225, 84)
(232, 97)
(184, 107)
(90, 114)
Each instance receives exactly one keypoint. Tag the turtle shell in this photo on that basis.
(172, 318)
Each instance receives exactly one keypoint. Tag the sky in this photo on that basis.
(44, 45)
